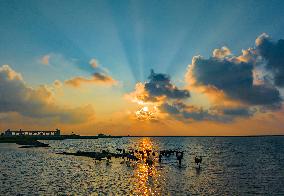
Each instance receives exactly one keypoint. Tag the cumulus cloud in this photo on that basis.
(159, 87)
(155, 94)
(166, 98)
(273, 54)
(96, 78)
(17, 96)
(233, 77)
(222, 52)
(236, 86)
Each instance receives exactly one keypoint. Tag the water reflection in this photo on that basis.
(146, 175)
(231, 166)
(198, 170)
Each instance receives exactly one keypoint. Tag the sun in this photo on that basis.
(145, 109)
(147, 113)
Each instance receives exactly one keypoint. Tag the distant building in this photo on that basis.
(57, 132)
(10, 133)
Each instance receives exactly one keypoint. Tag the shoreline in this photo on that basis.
(211, 136)
(14, 139)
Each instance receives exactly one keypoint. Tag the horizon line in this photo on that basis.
(265, 135)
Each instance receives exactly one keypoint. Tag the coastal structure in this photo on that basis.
(22, 136)
(42, 133)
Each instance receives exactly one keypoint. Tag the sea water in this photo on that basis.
(230, 166)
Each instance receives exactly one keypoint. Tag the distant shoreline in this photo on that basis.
(19, 138)
(122, 136)
(15, 139)
(213, 136)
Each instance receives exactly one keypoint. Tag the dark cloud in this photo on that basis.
(175, 102)
(241, 112)
(17, 96)
(103, 78)
(273, 53)
(235, 79)
(181, 111)
(184, 112)
(237, 86)
(160, 85)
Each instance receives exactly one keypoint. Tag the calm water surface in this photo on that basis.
(231, 166)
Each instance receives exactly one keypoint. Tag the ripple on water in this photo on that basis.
(231, 166)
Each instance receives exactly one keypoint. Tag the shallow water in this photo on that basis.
(231, 166)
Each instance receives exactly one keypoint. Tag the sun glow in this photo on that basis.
(147, 113)
(147, 177)
(145, 109)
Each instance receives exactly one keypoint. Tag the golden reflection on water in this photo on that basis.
(146, 176)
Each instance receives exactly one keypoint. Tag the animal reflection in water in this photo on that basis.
(147, 168)
(144, 161)
(198, 161)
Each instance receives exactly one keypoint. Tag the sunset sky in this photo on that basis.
(142, 67)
